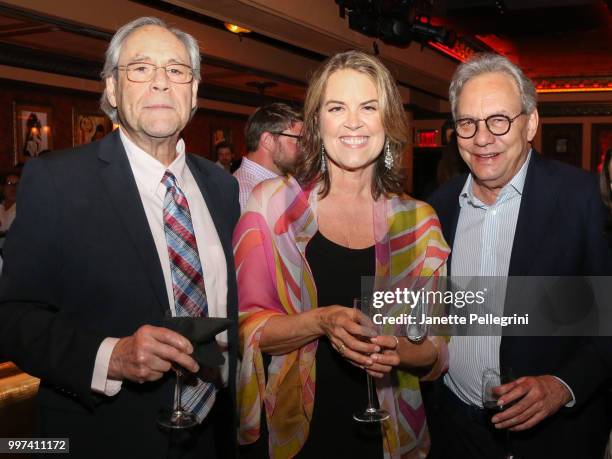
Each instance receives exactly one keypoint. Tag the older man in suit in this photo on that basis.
(516, 214)
(110, 239)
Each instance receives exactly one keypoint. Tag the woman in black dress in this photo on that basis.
(301, 248)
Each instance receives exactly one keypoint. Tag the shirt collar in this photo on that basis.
(512, 188)
(257, 169)
(148, 170)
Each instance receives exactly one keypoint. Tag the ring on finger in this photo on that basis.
(396, 341)
(341, 348)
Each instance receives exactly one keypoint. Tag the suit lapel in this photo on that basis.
(448, 213)
(537, 207)
(122, 190)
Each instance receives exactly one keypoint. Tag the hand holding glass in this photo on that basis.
(178, 417)
(491, 379)
(371, 413)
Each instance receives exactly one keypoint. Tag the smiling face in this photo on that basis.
(350, 122)
(158, 109)
(494, 160)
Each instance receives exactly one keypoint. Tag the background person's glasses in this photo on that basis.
(466, 128)
(142, 72)
(293, 136)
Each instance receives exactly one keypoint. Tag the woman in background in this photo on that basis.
(301, 248)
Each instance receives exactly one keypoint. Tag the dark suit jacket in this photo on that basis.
(559, 232)
(81, 265)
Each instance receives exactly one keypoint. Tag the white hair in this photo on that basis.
(492, 63)
(114, 51)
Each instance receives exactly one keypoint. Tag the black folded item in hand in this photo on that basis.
(201, 331)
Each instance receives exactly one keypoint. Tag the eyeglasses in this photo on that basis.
(142, 72)
(293, 136)
(466, 128)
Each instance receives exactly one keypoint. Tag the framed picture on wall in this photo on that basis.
(563, 142)
(88, 126)
(601, 136)
(219, 134)
(33, 130)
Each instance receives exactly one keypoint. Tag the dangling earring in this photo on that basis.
(323, 164)
(388, 156)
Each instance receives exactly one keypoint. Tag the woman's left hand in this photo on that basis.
(385, 360)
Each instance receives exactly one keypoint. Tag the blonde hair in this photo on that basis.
(385, 181)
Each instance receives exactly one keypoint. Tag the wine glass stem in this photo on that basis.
(370, 392)
(178, 392)
(509, 453)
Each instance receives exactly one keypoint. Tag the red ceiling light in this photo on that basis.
(574, 85)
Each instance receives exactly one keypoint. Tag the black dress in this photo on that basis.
(341, 387)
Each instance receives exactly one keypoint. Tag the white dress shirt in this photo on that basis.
(148, 173)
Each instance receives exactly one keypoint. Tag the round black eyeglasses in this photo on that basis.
(466, 128)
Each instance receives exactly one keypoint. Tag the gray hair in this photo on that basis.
(114, 51)
(492, 63)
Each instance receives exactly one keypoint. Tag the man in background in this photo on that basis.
(272, 138)
(223, 153)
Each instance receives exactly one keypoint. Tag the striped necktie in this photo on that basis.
(187, 282)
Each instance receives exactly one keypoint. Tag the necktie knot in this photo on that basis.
(169, 180)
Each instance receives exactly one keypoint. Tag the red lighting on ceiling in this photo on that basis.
(574, 85)
(457, 52)
(577, 89)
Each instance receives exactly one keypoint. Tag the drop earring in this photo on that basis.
(388, 156)
(323, 164)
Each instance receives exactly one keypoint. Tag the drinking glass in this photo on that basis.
(371, 413)
(492, 378)
(417, 328)
(177, 417)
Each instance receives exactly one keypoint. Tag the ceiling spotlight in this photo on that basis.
(236, 28)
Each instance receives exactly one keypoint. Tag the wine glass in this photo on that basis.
(371, 413)
(178, 417)
(417, 327)
(491, 379)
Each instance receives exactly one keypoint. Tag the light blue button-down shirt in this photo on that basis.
(482, 247)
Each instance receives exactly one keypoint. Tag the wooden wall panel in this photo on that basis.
(197, 134)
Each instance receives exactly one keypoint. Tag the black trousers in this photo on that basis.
(461, 431)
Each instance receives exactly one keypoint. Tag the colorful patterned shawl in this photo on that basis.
(274, 278)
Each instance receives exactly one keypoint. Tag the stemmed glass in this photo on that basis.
(371, 413)
(178, 417)
(417, 328)
(491, 379)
